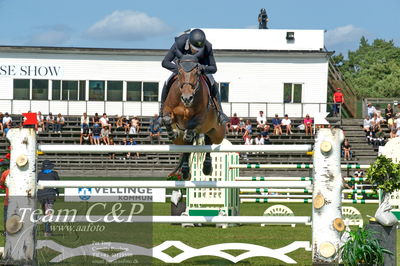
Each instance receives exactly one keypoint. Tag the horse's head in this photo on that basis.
(188, 78)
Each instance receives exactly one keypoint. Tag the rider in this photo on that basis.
(191, 43)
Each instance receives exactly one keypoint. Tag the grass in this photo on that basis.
(270, 236)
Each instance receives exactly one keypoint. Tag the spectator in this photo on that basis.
(261, 122)
(398, 125)
(134, 125)
(242, 126)
(7, 120)
(391, 123)
(346, 150)
(380, 138)
(132, 142)
(376, 122)
(84, 121)
(1, 121)
(370, 110)
(259, 140)
(47, 196)
(389, 112)
(155, 129)
(234, 124)
(276, 122)
(398, 109)
(248, 127)
(104, 122)
(265, 135)
(3, 182)
(119, 125)
(85, 136)
(338, 100)
(367, 124)
(50, 120)
(308, 123)
(111, 142)
(40, 122)
(126, 124)
(393, 133)
(5, 131)
(105, 135)
(96, 119)
(371, 137)
(286, 122)
(248, 140)
(59, 124)
(96, 134)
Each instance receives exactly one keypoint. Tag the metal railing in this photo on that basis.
(243, 109)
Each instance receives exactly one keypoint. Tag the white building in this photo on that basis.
(278, 71)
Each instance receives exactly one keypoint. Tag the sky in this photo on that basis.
(146, 24)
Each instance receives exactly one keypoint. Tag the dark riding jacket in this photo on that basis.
(180, 44)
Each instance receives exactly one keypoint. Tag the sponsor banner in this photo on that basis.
(115, 194)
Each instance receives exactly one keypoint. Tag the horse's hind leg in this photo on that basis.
(185, 166)
(207, 164)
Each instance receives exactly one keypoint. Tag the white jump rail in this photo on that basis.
(289, 190)
(289, 178)
(172, 148)
(170, 184)
(189, 219)
(293, 166)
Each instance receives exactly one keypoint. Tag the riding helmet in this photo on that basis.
(197, 38)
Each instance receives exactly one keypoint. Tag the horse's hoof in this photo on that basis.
(188, 136)
(173, 135)
(207, 167)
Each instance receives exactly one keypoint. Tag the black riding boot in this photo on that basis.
(222, 118)
(164, 95)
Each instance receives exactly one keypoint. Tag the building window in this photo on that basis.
(114, 90)
(40, 89)
(56, 90)
(292, 93)
(224, 91)
(96, 90)
(70, 90)
(21, 89)
(134, 91)
(150, 91)
(82, 90)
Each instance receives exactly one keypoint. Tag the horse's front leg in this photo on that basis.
(172, 133)
(207, 164)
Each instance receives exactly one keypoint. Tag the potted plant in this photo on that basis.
(362, 248)
(384, 174)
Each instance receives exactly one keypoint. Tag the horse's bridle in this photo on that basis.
(195, 86)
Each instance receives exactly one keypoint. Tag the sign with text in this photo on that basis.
(30, 70)
(115, 194)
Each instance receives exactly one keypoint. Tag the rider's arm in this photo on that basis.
(169, 57)
(211, 68)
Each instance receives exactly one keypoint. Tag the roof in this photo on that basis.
(265, 39)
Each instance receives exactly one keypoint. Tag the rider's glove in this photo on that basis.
(202, 68)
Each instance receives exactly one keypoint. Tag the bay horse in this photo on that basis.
(189, 111)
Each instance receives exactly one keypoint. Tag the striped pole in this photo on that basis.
(188, 219)
(271, 196)
(172, 148)
(267, 178)
(259, 200)
(295, 178)
(170, 184)
(307, 191)
(293, 166)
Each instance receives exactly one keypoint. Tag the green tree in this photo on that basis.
(373, 69)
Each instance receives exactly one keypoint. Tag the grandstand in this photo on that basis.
(160, 165)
